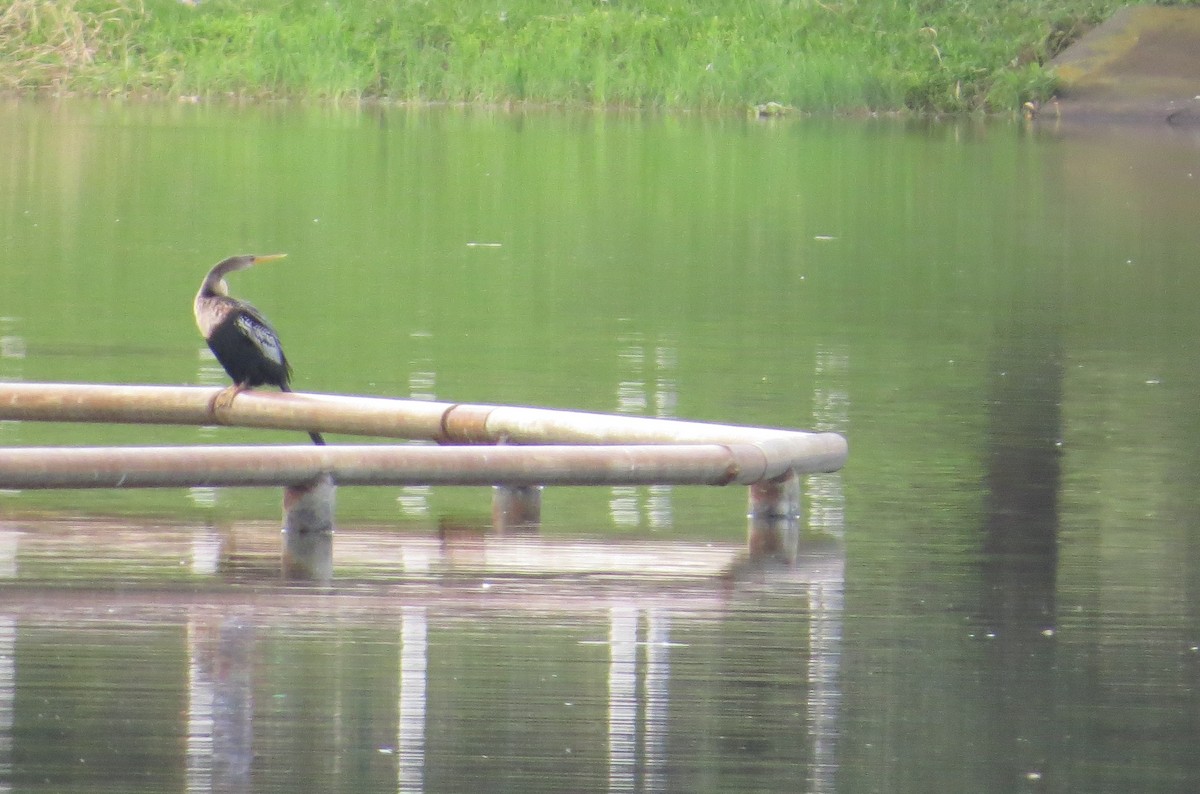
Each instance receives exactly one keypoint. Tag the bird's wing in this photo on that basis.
(259, 331)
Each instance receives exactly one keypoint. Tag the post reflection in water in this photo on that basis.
(831, 412)
(414, 664)
(647, 387)
(826, 516)
(622, 699)
(8, 694)
(826, 606)
(220, 721)
(818, 565)
(625, 756)
(656, 688)
(234, 742)
(413, 500)
(9, 540)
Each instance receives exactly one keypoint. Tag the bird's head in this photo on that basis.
(215, 280)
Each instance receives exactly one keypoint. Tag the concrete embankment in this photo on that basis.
(1142, 64)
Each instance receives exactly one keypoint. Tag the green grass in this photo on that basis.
(852, 55)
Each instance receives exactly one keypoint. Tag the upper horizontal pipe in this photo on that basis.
(194, 405)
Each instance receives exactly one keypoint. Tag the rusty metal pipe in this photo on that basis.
(155, 467)
(778, 451)
(195, 405)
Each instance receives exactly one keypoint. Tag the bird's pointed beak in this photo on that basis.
(267, 257)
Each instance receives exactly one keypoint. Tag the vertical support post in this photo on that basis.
(773, 538)
(774, 519)
(517, 508)
(777, 498)
(308, 530)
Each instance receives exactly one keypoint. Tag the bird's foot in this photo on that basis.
(224, 398)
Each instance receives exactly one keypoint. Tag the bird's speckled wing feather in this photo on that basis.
(260, 332)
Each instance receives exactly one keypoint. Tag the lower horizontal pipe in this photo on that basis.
(165, 467)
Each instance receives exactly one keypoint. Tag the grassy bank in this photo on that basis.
(847, 55)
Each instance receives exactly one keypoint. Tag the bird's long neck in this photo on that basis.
(214, 281)
(212, 303)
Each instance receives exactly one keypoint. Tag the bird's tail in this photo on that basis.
(316, 437)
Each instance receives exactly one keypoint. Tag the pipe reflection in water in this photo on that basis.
(624, 759)
(413, 500)
(414, 651)
(8, 696)
(831, 413)
(206, 552)
(827, 515)
(9, 544)
(656, 692)
(235, 737)
(199, 714)
(12, 359)
(220, 721)
(226, 658)
(641, 393)
(778, 550)
(826, 606)
(622, 698)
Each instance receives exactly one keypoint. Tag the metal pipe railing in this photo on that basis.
(165, 467)
(196, 405)
(518, 449)
(775, 452)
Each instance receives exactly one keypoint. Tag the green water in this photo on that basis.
(1000, 319)
(730, 271)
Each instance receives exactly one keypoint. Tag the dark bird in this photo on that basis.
(238, 334)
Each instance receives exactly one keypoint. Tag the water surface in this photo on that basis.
(995, 595)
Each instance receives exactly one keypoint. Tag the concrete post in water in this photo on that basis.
(773, 538)
(308, 530)
(774, 518)
(517, 508)
(776, 498)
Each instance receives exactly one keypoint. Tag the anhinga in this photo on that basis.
(238, 334)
